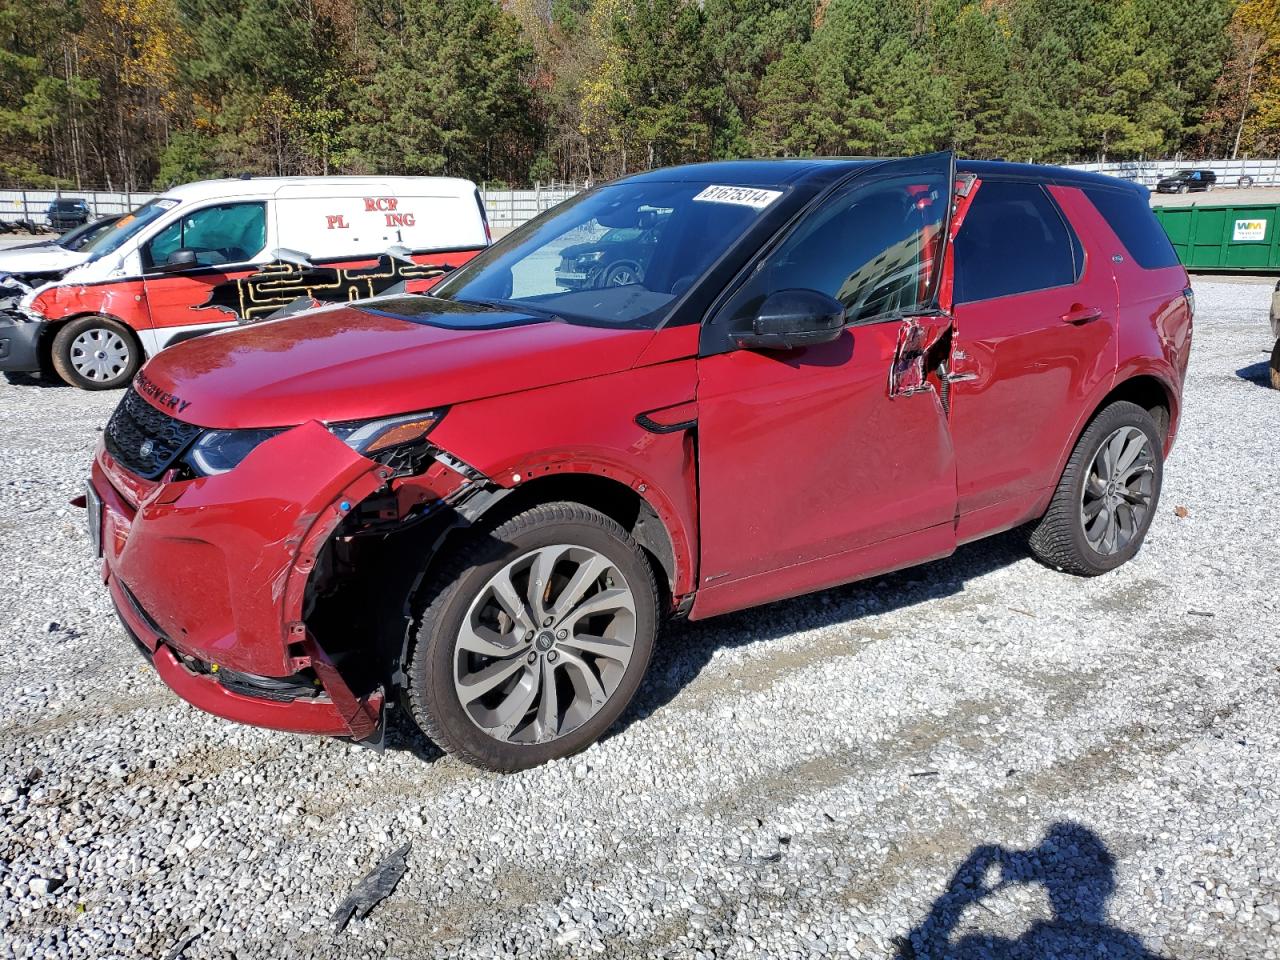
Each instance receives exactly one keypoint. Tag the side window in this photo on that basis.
(1013, 240)
(1128, 213)
(870, 246)
(228, 233)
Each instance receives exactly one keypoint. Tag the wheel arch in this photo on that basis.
(52, 328)
(613, 497)
(1148, 388)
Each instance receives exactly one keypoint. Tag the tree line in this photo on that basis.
(132, 94)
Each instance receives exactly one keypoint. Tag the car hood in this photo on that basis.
(359, 362)
(578, 249)
(39, 259)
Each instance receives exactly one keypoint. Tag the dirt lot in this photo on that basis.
(974, 758)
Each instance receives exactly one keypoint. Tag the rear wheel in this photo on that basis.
(96, 353)
(535, 640)
(1107, 496)
(1275, 366)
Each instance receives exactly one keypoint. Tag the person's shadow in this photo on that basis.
(1078, 874)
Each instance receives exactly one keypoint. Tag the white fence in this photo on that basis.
(33, 204)
(507, 209)
(1263, 173)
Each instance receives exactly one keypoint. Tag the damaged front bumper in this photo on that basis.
(19, 343)
(210, 577)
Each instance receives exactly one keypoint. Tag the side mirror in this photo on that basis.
(179, 260)
(794, 318)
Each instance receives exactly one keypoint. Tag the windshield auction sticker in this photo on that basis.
(742, 196)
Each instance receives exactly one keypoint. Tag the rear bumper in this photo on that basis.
(209, 580)
(19, 344)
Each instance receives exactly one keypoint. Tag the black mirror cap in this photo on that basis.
(788, 319)
(180, 260)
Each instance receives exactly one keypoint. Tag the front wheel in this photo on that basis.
(1107, 496)
(96, 353)
(534, 639)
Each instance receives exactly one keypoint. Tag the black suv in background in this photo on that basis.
(618, 257)
(67, 212)
(1187, 181)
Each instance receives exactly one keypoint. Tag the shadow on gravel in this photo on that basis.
(403, 734)
(1078, 874)
(1257, 373)
(35, 380)
(685, 648)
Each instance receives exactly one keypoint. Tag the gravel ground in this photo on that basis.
(982, 756)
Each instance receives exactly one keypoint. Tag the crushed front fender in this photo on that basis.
(220, 564)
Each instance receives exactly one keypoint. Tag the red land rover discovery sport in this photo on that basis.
(483, 502)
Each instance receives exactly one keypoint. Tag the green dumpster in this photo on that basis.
(1240, 237)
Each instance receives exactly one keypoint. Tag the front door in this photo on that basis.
(810, 473)
(1035, 339)
(229, 241)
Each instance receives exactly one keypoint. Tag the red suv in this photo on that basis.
(482, 503)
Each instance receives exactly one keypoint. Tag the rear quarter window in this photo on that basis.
(1014, 240)
(1129, 215)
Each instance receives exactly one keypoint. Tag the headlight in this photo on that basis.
(370, 437)
(217, 451)
(595, 256)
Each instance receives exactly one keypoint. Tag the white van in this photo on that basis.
(212, 254)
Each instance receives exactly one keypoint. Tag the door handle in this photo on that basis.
(1079, 315)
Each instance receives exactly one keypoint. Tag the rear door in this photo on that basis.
(810, 473)
(1035, 320)
(230, 242)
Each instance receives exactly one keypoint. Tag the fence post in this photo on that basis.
(24, 206)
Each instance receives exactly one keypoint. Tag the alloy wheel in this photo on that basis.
(99, 354)
(621, 277)
(1118, 491)
(545, 644)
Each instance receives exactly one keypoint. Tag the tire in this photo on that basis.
(1062, 538)
(507, 728)
(1275, 366)
(620, 275)
(96, 353)
(1244, 182)
(1183, 188)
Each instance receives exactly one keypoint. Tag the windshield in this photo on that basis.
(77, 237)
(687, 226)
(126, 227)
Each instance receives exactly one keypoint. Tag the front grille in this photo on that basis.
(145, 441)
